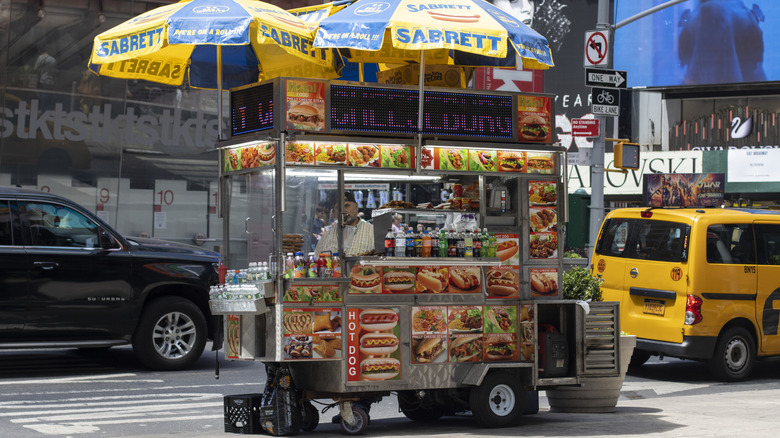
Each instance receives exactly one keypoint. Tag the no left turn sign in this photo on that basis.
(596, 48)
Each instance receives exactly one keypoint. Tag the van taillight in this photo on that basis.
(646, 214)
(693, 310)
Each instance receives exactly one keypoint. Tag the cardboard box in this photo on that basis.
(435, 76)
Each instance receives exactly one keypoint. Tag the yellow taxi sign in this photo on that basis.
(626, 155)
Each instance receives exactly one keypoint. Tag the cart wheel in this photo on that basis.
(310, 417)
(418, 410)
(361, 421)
(498, 401)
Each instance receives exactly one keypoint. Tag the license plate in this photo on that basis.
(655, 307)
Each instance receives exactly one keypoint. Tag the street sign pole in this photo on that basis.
(597, 159)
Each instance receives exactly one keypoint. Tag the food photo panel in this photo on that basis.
(372, 344)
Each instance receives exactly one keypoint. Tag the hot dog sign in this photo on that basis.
(372, 344)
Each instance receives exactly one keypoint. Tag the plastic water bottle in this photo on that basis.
(400, 243)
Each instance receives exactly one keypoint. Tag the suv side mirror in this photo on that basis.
(107, 241)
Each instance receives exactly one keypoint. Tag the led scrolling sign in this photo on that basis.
(353, 109)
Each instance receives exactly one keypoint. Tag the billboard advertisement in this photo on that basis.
(698, 42)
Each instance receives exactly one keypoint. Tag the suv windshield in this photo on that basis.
(644, 239)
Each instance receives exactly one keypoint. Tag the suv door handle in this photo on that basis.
(46, 266)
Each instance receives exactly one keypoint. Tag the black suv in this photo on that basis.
(68, 280)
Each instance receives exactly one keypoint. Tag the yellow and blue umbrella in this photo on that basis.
(212, 44)
(462, 32)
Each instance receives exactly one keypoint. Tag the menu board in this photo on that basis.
(465, 333)
(305, 110)
(479, 160)
(372, 344)
(534, 118)
(311, 334)
(248, 156)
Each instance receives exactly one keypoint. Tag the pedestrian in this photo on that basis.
(45, 67)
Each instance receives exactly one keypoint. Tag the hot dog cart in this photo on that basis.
(477, 324)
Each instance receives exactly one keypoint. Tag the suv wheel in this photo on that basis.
(734, 355)
(171, 334)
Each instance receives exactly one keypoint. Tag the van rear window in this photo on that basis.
(644, 239)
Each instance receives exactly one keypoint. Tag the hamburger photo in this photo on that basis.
(427, 350)
(500, 347)
(534, 128)
(511, 161)
(305, 117)
(540, 164)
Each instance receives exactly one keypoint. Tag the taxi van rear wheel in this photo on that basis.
(734, 355)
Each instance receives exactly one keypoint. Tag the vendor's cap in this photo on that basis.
(349, 197)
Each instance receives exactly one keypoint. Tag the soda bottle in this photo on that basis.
(299, 266)
(460, 245)
(336, 265)
(468, 244)
(477, 243)
(426, 244)
(434, 241)
(400, 243)
(442, 243)
(452, 244)
(493, 245)
(485, 243)
(409, 243)
(418, 244)
(389, 243)
(322, 266)
(311, 269)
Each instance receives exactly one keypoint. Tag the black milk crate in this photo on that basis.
(242, 413)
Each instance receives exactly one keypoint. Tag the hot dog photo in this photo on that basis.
(398, 280)
(373, 348)
(365, 280)
(432, 279)
(465, 280)
(503, 282)
(541, 163)
(544, 281)
(508, 248)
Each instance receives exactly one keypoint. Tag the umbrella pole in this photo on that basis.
(219, 92)
(420, 110)
(361, 74)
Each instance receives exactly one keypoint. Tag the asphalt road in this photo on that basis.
(50, 393)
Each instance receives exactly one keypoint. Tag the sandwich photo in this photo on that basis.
(398, 280)
(379, 368)
(365, 280)
(452, 159)
(378, 344)
(466, 348)
(534, 128)
(527, 350)
(232, 160)
(540, 164)
(378, 320)
(509, 161)
(428, 350)
(304, 117)
(503, 283)
(500, 347)
(464, 279)
(432, 280)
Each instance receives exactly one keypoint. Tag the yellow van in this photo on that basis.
(695, 283)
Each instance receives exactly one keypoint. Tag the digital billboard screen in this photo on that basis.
(698, 42)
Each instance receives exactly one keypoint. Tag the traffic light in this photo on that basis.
(626, 155)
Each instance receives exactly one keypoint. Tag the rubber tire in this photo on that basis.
(415, 412)
(310, 417)
(503, 390)
(639, 358)
(734, 356)
(144, 337)
(362, 422)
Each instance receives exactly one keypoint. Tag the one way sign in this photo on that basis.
(596, 77)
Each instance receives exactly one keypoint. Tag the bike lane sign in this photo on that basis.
(605, 101)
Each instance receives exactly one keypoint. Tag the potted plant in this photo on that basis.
(595, 393)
